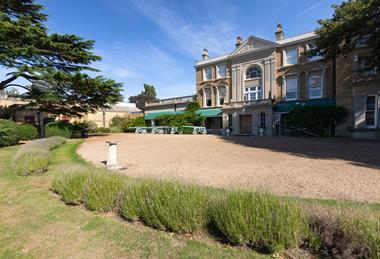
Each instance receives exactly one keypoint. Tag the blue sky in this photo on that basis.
(157, 42)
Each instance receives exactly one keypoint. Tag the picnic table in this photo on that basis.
(197, 129)
(169, 129)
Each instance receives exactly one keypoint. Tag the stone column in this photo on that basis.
(112, 156)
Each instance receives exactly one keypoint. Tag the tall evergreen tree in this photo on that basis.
(52, 64)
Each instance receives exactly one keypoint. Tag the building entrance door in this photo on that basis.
(245, 124)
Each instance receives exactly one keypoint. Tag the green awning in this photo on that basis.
(154, 115)
(288, 106)
(212, 112)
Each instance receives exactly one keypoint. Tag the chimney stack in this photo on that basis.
(279, 33)
(239, 41)
(205, 54)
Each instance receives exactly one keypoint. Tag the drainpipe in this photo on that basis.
(334, 75)
(334, 88)
(104, 119)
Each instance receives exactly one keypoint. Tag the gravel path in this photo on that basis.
(305, 167)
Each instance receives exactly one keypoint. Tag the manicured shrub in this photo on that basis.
(72, 184)
(116, 130)
(28, 132)
(166, 206)
(99, 190)
(59, 128)
(33, 158)
(31, 162)
(83, 129)
(119, 121)
(103, 130)
(136, 122)
(9, 133)
(103, 191)
(347, 235)
(324, 118)
(260, 220)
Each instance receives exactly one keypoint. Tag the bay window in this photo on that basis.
(315, 84)
(291, 87)
(207, 97)
(222, 94)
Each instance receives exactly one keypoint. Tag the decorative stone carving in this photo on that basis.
(252, 44)
(246, 48)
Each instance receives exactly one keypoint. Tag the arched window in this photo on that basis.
(253, 72)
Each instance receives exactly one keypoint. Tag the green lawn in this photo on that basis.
(35, 223)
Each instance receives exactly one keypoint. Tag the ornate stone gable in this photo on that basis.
(253, 43)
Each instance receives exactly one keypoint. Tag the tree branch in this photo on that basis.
(4, 84)
(21, 86)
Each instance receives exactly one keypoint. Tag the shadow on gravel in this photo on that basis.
(358, 152)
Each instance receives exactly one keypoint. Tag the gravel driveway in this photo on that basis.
(305, 167)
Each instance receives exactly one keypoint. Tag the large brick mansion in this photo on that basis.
(252, 89)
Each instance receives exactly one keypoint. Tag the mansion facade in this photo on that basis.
(251, 90)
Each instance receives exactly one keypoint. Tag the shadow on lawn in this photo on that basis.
(358, 152)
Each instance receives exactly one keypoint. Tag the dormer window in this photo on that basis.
(290, 56)
(221, 70)
(207, 73)
(253, 73)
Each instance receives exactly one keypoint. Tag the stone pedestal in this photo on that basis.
(112, 156)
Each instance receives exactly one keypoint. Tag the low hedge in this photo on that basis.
(59, 128)
(103, 130)
(347, 233)
(263, 221)
(33, 158)
(9, 133)
(260, 220)
(97, 189)
(166, 206)
(27, 131)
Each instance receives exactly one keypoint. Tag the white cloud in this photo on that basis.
(217, 35)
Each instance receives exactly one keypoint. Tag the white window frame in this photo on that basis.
(374, 112)
(285, 55)
(251, 67)
(286, 87)
(218, 69)
(219, 95)
(204, 73)
(247, 94)
(322, 84)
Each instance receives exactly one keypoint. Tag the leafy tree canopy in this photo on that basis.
(147, 95)
(193, 107)
(351, 20)
(52, 64)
